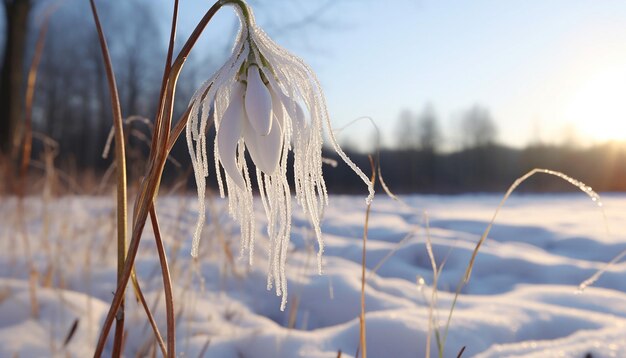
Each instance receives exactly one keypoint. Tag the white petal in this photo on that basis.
(258, 102)
(228, 136)
(265, 150)
(290, 107)
(250, 139)
(277, 108)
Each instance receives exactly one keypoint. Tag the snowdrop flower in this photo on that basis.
(266, 102)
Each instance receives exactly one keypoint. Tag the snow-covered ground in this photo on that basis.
(522, 298)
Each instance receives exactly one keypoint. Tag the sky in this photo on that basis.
(549, 71)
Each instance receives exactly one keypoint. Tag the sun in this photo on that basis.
(598, 106)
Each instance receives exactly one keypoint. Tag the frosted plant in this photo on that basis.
(267, 102)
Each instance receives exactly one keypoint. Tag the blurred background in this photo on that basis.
(466, 96)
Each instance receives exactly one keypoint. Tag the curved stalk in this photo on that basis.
(144, 304)
(120, 158)
(167, 285)
(362, 337)
(149, 187)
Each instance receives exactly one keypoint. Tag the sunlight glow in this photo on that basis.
(598, 106)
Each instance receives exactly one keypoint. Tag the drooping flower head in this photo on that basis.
(266, 102)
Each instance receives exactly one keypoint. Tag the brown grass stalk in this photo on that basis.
(362, 335)
(30, 92)
(158, 156)
(155, 329)
(120, 158)
(164, 81)
(167, 285)
(27, 150)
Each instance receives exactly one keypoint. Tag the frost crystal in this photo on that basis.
(267, 102)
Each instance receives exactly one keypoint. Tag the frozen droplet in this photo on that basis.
(420, 283)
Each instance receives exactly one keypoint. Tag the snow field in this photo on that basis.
(521, 301)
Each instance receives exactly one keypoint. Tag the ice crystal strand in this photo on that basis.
(281, 238)
(271, 217)
(199, 183)
(274, 239)
(200, 171)
(204, 120)
(248, 208)
(343, 155)
(240, 208)
(218, 173)
(284, 234)
(283, 274)
(318, 148)
(275, 267)
(313, 175)
(262, 192)
(264, 200)
(274, 242)
(271, 203)
(312, 84)
(286, 195)
(196, 131)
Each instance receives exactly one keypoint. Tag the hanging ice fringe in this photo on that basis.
(268, 102)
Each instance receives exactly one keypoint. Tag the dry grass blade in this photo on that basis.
(27, 149)
(178, 129)
(580, 185)
(391, 252)
(293, 313)
(164, 81)
(155, 329)
(159, 152)
(433, 298)
(30, 92)
(70, 333)
(167, 285)
(362, 334)
(120, 158)
(204, 348)
(591, 280)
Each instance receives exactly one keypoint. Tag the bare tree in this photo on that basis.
(406, 134)
(137, 52)
(478, 128)
(428, 132)
(71, 101)
(418, 132)
(11, 76)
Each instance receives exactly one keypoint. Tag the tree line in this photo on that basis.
(71, 107)
(417, 162)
